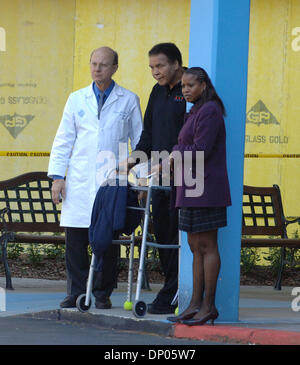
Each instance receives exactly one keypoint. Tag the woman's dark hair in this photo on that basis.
(209, 94)
(170, 50)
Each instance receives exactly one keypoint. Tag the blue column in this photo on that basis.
(219, 34)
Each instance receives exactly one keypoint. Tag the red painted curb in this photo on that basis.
(237, 335)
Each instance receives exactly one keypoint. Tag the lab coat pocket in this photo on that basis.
(78, 170)
(122, 125)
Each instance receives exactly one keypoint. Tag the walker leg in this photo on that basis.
(143, 246)
(128, 303)
(83, 302)
(175, 299)
(141, 263)
(90, 281)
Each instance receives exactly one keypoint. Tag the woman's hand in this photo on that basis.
(156, 169)
(126, 165)
(165, 166)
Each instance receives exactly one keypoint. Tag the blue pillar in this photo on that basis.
(219, 34)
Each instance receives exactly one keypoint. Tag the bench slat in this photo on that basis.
(42, 239)
(32, 227)
(269, 242)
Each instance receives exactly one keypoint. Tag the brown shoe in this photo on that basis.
(103, 303)
(69, 302)
(156, 308)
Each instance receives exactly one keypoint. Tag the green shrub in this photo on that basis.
(249, 259)
(14, 250)
(54, 251)
(34, 254)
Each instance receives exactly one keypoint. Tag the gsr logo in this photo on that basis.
(296, 302)
(258, 117)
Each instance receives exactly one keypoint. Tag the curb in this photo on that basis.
(106, 321)
(237, 335)
(217, 333)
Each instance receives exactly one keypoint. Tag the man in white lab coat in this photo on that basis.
(95, 119)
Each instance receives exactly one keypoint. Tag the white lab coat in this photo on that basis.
(79, 139)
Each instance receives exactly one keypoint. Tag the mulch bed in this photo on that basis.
(52, 269)
(263, 275)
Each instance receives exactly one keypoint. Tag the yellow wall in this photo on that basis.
(274, 78)
(47, 48)
(44, 54)
(48, 44)
(131, 27)
(36, 74)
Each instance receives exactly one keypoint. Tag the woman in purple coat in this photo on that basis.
(201, 216)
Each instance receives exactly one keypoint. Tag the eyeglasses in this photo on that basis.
(100, 65)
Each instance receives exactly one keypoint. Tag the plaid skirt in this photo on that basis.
(202, 219)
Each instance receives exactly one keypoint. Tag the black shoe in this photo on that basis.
(103, 303)
(180, 317)
(211, 316)
(156, 308)
(69, 301)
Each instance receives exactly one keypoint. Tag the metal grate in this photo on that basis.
(30, 202)
(27, 199)
(258, 211)
(262, 211)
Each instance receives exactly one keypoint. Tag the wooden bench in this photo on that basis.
(263, 218)
(28, 215)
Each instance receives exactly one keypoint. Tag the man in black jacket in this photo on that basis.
(163, 120)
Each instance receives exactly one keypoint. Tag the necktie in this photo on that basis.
(100, 104)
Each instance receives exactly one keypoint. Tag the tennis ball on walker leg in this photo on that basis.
(177, 311)
(127, 306)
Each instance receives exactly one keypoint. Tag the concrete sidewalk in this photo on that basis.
(265, 315)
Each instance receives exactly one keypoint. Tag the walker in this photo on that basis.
(139, 307)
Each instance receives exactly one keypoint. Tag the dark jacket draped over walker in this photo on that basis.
(110, 217)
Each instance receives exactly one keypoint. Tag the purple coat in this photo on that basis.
(204, 130)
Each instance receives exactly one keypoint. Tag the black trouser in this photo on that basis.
(165, 224)
(77, 265)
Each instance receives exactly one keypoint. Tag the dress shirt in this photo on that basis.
(107, 91)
